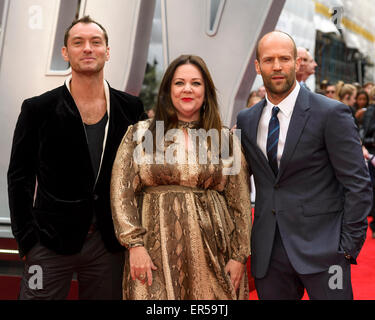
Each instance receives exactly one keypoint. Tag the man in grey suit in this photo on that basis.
(313, 191)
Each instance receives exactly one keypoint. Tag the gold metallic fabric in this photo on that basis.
(191, 219)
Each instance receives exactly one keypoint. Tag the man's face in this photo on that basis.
(331, 92)
(86, 49)
(277, 64)
(311, 64)
(302, 54)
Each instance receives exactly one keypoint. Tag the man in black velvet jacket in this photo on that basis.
(64, 145)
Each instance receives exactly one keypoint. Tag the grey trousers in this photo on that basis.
(282, 282)
(47, 275)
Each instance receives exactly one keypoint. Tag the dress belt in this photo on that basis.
(172, 188)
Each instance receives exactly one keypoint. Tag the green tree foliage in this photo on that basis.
(150, 86)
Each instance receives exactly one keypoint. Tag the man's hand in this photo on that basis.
(366, 154)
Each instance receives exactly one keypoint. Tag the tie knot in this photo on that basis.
(275, 111)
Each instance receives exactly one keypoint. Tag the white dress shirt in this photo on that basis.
(286, 107)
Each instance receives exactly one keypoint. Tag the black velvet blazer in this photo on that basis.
(50, 160)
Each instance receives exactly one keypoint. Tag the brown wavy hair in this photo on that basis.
(165, 111)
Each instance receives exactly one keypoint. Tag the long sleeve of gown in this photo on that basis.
(125, 184)
(237, 194)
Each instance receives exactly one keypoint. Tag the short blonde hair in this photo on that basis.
(343, 89)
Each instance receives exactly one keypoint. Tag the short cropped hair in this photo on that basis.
(86, 20)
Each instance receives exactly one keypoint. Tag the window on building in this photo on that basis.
(215, 10)
(336, 61)
(4, 4)
(68, 11)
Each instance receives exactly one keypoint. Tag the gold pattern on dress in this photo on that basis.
(188, 125)
(191, 219)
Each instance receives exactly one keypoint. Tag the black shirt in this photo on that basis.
(95, 137)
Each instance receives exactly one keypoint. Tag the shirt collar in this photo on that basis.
(286, 106)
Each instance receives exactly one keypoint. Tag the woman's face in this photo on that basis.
(187, 92)
(361, 101)
(351, 99)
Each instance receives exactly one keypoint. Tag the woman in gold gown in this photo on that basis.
(186, 224)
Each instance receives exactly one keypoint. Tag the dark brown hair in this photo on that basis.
(165, 111)
(86, 20)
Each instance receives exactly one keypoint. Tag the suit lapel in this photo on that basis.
(255, 118)
(298, 121)
(253, 136)
(108, 126)
(73, 109)
(73, 112)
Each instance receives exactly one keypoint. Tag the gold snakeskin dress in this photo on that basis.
(191, 218)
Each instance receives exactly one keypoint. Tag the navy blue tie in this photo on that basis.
(273, 140)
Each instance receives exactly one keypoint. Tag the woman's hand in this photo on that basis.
(359, 114)
(236, 270)
(141, 265)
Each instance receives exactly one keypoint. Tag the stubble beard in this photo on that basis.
(282, 89)
(88, 71)
(80, 67)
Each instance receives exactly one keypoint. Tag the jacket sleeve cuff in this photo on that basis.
(240, 258)
(138, 243)
(26, 243)
(351, 259)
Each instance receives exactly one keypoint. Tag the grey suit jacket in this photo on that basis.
(322, 194)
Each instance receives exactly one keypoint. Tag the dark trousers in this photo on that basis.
(99, 272)
(372, 213)
(282, 282)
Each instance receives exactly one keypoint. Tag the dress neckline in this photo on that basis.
(188, 124)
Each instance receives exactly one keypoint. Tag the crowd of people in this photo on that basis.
(357, 97)
(361, 101)
(139, 209)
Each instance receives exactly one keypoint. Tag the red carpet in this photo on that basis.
(363, 274)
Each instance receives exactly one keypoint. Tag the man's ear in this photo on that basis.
(257, 66)
(108, 55)
(298, 63)
(64, 53)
